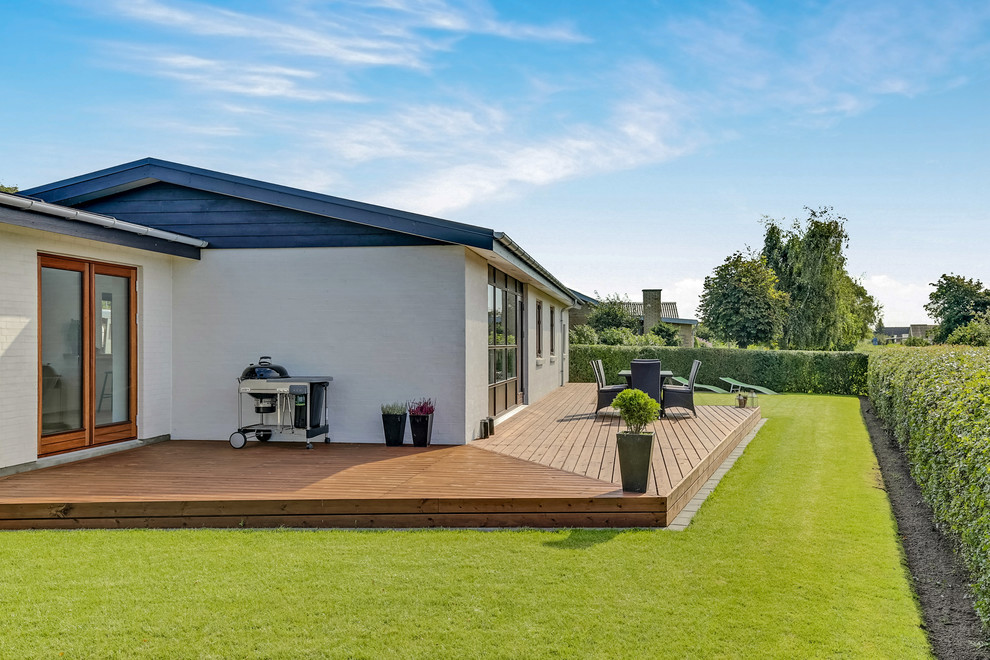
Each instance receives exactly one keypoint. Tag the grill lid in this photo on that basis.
(264, 369)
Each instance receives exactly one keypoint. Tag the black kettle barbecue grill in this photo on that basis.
(298, 403)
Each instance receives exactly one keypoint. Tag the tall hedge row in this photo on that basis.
(814, 372)
(937, 402)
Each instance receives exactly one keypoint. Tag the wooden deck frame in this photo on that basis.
(551, 465)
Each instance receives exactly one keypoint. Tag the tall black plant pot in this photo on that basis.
(635, 455)
(395, 429)
(422, 429)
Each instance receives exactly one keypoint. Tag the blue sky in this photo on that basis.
(626, 145)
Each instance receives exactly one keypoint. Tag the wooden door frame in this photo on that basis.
(90, 434)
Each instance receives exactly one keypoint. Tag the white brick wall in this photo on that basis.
(387, 323)
(19, 250)
(544, 375)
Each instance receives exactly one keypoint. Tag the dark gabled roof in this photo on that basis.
(83, 190)
(236, 212)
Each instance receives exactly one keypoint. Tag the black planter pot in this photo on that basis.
(395, 429)
(422, 429)
(635, 454)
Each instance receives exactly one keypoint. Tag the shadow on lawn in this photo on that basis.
(579, 539)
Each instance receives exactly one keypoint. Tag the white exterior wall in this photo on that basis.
(549, 372)
(19, 248)
(387, 323)
(476, 338)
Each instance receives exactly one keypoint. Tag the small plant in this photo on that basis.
(637, 409)
(422, 407)
(396, 408)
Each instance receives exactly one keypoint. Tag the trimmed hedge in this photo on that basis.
(812, 372)
(937, 403)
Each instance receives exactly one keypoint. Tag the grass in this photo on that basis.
(795, 555)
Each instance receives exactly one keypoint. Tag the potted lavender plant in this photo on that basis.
(394, 423)
(421, 421)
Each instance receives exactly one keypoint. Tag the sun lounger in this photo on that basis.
(699, 386)
(737, 385)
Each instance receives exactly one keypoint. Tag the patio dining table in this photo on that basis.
(664, 375)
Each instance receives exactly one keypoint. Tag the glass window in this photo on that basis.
(499, 320)
(491, 315)
(61, 350)
(510, 318)
(539, 328)
(553, 330)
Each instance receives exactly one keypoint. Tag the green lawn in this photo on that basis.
(794, 556)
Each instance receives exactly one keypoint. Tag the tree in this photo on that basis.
(974, 333)
(955, 302)
(667, 333)
(8, 189)
(611, 312)
(741, 301)
(829, 309)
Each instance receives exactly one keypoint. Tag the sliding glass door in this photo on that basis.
(87, 354)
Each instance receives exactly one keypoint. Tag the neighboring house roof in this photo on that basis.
(895, 331)
(236, 212)
(668, 310)
(584, 298)
(26, 212)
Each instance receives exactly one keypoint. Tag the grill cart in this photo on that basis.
(284, 404)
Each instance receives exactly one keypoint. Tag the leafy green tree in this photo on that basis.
(667, 333)
(617, 337)
(955, 302)
(974, 333)
(583, 334)
(8, 189)
(829, 309)
(741, 301)
(611, 312)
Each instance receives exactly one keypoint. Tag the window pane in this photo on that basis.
(510, 363)
(491, 315)
(510, 318)
(61, 350)
(111, 335)
(491, 366)
(499, 365)
(499, 321)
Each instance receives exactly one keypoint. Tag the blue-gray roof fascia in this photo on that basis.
(124, 177)
(66, 227)
(680, 321)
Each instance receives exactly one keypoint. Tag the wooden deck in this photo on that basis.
(551, 465)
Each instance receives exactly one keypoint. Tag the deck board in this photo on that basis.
(552, 464)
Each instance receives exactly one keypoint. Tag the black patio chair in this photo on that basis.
(682, 396)
(646, 377)
(606, 393)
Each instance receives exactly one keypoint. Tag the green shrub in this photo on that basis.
(937, 403)
(583, 334)
(616, 336)
(813, 372)
(666, 332)
(637, 409)
(974, 333)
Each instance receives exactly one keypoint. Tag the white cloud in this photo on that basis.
(903, 302)
(687, 294)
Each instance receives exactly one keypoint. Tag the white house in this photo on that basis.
(131, 299)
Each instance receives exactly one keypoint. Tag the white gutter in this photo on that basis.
(516, 249)
(27, 204)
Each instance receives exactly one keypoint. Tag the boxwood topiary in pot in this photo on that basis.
(635, 444)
